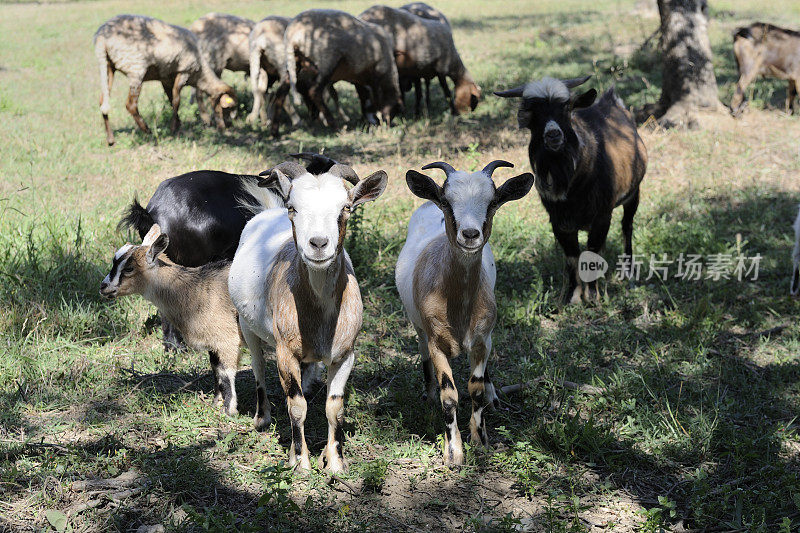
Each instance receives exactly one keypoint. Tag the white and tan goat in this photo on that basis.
(193, 299)
(446, 275)
(295, 289)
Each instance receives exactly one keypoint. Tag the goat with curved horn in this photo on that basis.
(448, 169)
(494, 165)
(345, 172)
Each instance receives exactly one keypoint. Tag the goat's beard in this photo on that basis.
(554, 170)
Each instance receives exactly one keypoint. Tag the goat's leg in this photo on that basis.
(338, 373)
(595, 243)
(428, 374)
(447, 94)
(289, 372)
(132, 105)
(263, 416)
(628, 212)
(569, 243)
(365, 98)
(478, 359)
(172, 338)
(225, 364)
(448, 394)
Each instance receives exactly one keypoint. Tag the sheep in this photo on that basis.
(588, 159)
(194, 299)
(294, 287)
(794, 289)
(767, 50)
(424, 48)
(202, 213)
(421, 9)
(225, 43)
(147, 49)
(325, 46)
(445, 275)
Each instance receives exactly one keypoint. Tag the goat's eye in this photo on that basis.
(127, 270)
(347, 208)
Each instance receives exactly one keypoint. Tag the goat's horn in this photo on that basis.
(289, 168)
(571, 83)
(516, 92)
(442, 165)
(491, 167)
(317, 163)
(343, 171)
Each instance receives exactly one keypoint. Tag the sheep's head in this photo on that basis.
(546, 110)
(469, 201)
(131, 263)
(225, 106)
(320, 204)
(467, 95)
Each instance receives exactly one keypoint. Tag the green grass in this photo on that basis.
(695, 424)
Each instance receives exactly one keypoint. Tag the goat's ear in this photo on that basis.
(584, 100)
(514, 188)
(423, 186)
(369, 188)
(277, 182)
(158, 246)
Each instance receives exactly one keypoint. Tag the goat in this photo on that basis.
(588, 159)
(202, 213)
(795, 286)
(194, 299)
(424, 48)
(225, 43)
(767, 50)
(325, 46)
(147, 49)
(445, 275)
(295, 289)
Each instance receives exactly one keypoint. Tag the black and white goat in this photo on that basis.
(194, 299)
(588, 159)
(295, 289)
(445, 275)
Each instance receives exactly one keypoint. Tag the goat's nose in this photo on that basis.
(318, 242)
(103, 286)
(470, 233)
(553, 135)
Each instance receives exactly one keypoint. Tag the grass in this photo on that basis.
(695, 422)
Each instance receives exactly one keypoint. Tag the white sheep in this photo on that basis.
(145, 49)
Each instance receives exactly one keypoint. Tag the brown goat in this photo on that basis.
(193, 299)
(766, 50)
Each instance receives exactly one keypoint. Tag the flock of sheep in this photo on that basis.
(383, 52)
(231, 258)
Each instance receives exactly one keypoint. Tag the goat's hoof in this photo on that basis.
(332, 462)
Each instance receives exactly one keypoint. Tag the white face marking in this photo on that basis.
(116, 269)
(318, 202)
(548, 88)
(122, 251)
(469, 196)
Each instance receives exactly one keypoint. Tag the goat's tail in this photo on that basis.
(795, 287)
(105, 66)
(256, 199)
(291, 70)
(136, 217)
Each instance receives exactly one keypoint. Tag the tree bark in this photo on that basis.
(689, 83)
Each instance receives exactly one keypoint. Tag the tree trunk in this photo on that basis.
(689, 83)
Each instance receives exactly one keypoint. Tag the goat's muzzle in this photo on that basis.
(553, 140)
(107, 292)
